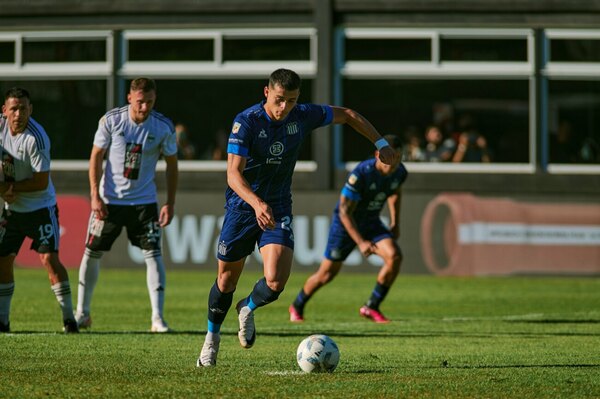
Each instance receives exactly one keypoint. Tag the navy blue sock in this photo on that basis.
(262, 295)
(377, 296)
(218, 306)
(301, 300)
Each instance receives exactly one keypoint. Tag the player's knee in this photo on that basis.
(276, 287)
(396, 259)
(327, 276)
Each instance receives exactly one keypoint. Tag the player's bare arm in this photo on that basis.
(347, 208)
(37, 182)
(342, 115)
(95, 173)
(394, 201)
(167, 211)
(239, 184)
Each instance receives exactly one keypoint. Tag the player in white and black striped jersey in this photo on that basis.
(30, 204)
(124, 195)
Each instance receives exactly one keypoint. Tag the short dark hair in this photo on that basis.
(16, 92)
(394, 141)
(143, 84)
(286, 78)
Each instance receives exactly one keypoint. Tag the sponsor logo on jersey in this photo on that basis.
(292, 128)
(8, 167)
(262, 134)
(276, 149)
(373, 186)
(133, 161)
(151, 138)
(394, 184)
(121, 134)
(236, 127)
(274, 161)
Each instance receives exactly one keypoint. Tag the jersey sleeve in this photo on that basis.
(103, 134)
(353, 187)
(169, 144)
(318, 115)
(240, 137)
(39, 153)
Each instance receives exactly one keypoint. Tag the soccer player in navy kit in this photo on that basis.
(30, 204)
(124, 195)
(263, 147)
(356, 222)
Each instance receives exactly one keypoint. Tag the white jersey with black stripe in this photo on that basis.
(133, 151)
(24, 154)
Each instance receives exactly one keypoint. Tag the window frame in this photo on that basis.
(437, 69)
(555, 70)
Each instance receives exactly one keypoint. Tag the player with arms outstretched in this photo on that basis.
(262, 151)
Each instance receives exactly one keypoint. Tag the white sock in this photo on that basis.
(62, 290)
(156, 280)
(88, 277)
(6, 293)
(211, 336)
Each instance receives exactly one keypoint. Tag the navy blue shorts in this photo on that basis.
(340, 244)
(40, 225)
(240, 234)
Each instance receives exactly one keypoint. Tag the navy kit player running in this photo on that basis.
(30, 204)
(356, 222)
(263, 147)
(134, 137)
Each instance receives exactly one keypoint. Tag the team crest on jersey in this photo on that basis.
(373, 186)
(276, 149)
(352, 179)
(262, 134)
(292, 128)
(151, 138)
(236, 127)
(222, 248)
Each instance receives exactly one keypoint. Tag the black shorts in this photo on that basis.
(40, 225)
(141, 222)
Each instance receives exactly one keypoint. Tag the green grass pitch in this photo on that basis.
(516, 337)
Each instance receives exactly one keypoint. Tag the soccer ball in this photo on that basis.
(317, 354)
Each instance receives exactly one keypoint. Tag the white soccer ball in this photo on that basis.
(317, 354)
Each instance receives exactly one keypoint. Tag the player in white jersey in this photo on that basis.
(133, 137)
(29, 204)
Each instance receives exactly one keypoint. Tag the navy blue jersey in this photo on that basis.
(370, 189)
(271, 150)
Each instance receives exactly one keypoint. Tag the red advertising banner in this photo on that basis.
(462, 234)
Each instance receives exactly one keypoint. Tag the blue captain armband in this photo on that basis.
(237, 150)
(381, 143)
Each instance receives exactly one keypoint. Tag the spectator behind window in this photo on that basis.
(185, 148)
(437, 149)
(413, 151)
(563, 146)
(472, 147)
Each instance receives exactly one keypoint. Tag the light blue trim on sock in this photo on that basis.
(214, 328)
(251, 304)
